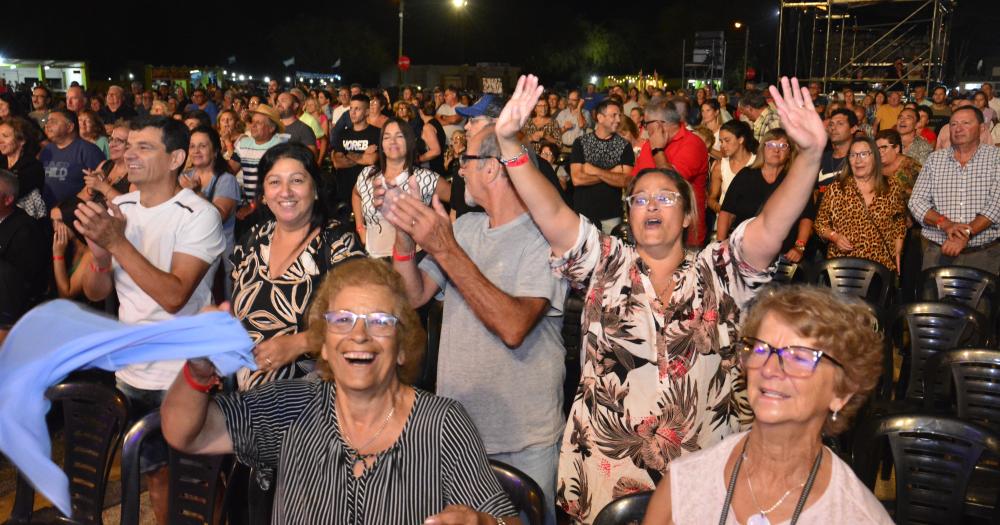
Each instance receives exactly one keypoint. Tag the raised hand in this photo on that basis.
(60, 238)
(798, 116)
(103, 226)
(518, 109)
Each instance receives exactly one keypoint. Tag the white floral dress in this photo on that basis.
(658, 380)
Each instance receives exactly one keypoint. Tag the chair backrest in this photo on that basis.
(624, 510)
(857, 277)
(94, 417)
(132, 445)
(971, 287)
(526, 495)
(428, 375)
(194, 479)
(787, 272)
(933, 327)
(973, 376)
(934, 456)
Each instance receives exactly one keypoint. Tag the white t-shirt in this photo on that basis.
(447, 110)
(185, 224)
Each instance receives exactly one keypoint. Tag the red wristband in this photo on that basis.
(941, 220)
(58, 258)
(396, 256)
(203, 388)
(520, 161)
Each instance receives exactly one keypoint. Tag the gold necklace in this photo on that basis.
(357, 455)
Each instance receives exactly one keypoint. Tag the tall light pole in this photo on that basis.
(746, 49)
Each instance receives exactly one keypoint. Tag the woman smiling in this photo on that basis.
(358, 445)
(280, 262)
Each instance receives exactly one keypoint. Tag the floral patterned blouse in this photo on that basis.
(658, 381)
(906, 176)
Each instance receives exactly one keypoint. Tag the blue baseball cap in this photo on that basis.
(488, 105)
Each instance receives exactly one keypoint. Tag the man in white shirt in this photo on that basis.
(446, 115)
(156, 248)
(574, 120)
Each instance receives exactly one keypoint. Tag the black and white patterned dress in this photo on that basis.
(272, 307)
(438, 459)
(381, 234)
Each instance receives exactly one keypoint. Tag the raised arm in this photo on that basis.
(763, 236)
(192, 423)
(558, 223)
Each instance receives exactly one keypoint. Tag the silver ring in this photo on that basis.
(268, 361)
(413, 222)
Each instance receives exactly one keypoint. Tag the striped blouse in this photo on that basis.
(291, 426)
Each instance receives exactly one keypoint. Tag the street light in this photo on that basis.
(457, 4)
(746, 48)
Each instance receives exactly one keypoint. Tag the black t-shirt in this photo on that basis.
(747, 194)
(600, 201)
(829, 168)
(351, 141)
(301, 133)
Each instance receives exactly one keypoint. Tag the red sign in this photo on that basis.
(404, 62)
(751, 73)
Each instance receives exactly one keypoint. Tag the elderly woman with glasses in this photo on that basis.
(753, 186)
(810, 359)
(358, 444)
(660, 323)
(863, 213)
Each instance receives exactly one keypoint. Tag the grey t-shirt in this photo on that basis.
(301, 132)
(514, 396)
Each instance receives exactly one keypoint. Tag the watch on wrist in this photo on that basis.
(654, 151)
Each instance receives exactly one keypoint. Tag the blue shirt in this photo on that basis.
(64, 169)
(35, 356)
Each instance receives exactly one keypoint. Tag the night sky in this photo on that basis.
(543, 36)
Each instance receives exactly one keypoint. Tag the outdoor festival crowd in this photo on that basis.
(303, 211)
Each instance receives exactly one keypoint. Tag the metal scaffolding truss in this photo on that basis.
(844, 41)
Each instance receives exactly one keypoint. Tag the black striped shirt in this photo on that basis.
(291, 426)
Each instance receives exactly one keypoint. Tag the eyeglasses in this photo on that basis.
(646, 123)
(885, 147)
(379, 324)
(776, 145)
(663, 198)
(463, 159)
(795, 361)
(860, 155)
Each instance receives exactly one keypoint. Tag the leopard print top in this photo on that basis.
(872, 234)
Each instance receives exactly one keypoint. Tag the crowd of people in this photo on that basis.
(303, 210)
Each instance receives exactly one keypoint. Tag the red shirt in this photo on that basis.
(929, 135)
(689, 157)
(687, 153)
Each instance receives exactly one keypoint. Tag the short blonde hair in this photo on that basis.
(367, 272)
(843, 328)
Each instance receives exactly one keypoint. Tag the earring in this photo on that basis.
(834, 416)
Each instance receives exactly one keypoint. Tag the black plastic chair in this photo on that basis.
(787, 272)
(572, 334)
(526, 495)
(971, 287)
(934, 458)
(94, 420)
(968, 286)
(933, 328)
(856, 277)
(194, 479)
(624, 510)
(971, 379)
